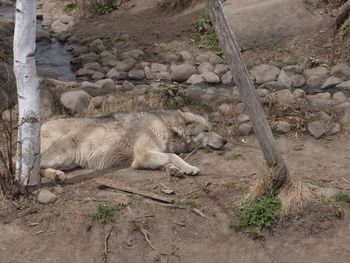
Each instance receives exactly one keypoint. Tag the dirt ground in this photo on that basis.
(65, 231)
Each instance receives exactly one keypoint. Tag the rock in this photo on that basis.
(344, 85)
(214, 59)
(283, 127)
(339, 97)
(345, 120)
(156, 67)
(327, 193)
(109, 62)
(336, 129)
(182, 72)
(43, 36)
(185, 56)
(125, 65)
(284, 96)
(128, 86)
(341, 71)
(88, 85)
(322, 72)
(97, 76)
(205, 67)
(262, 93)
(293, 69)
(62, 24)
(148, 73)
(142, 65)
(221, 69)
(322, 95)
(162, 75)
(80, 50)
(264, 73)
(121, 75)
(314, 81)
(112, 73)
(46, 104)
(97, 46)
(46, 197)
(86, 58)
(284, 79)
(195, 79)
(298, 81)
(193, 91)
(244, 129)
(273, 86)
(58, 189)
(202, 58)
(75, 100)
(316, 129)
(242, 118)
(323, 116)
(84, 72)
(92, 66)
(135, 54)
(105, 54)
(224, 108)
(299, 93)
(331, 82)
(105, 84)
(227, 78)
(136, 74)
(210, 77)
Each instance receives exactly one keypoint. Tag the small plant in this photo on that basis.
(291, 62)
(253, 217)
(107, 7)
(233, 156)
(69, 7)
(105, 212)
(187, 202)
(207, 35)
(343, 198)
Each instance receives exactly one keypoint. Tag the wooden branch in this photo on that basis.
(245, 87)
(343, 14)
(105, 251)
(116, 185)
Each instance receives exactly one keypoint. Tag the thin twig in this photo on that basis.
(146, 234)
(105, 251)
(190, 154)
(200, 213)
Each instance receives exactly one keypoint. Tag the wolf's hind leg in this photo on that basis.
(55, 175)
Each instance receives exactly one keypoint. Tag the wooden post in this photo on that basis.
(245, 87)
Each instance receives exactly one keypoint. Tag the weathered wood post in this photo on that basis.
(247, 91)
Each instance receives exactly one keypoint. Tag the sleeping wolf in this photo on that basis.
(144, 140)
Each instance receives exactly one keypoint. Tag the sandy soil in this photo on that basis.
(66, 232)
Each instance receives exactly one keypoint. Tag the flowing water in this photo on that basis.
(49, 54)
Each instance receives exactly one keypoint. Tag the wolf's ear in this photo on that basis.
(184, 115)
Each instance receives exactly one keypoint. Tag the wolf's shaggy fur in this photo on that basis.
(144, 140)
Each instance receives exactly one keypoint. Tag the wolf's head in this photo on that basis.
(197, 133)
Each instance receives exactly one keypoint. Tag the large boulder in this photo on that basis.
(264, 73)
(75, 100)
(182, 72)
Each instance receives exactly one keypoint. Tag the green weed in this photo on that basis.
(187, 202)
(105, 212)
(343, 198)
(253, 217)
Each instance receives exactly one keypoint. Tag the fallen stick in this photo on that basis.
(105, 251)
(146, 234)
(116, 185)
(198, 212)
(190, 154)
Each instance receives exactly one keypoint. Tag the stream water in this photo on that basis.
(49, 54)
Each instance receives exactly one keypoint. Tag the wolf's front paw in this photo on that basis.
(191, 170)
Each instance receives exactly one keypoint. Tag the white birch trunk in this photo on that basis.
(28, 146)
